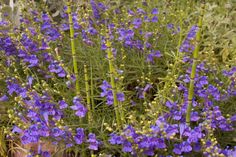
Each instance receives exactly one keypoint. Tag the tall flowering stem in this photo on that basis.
(75, 66)
(121, 80)
(110, 58)
(194, 66)
(91, 88)
(88, 98)
(87, 94)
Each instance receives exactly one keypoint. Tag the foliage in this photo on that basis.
(113, 78)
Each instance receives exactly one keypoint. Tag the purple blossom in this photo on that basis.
(56, 68)
(95, 9)
(115, 139)
(155, 11)
(170, 104)
(57, 132)
(187, 46)
(127, 146)
(45, 17)
(16, 129)
(93, 143)
(177, 149)
(78, 107)
(32, 60)
(154, 19)
(107, 92)
(62, 104)
(137, 22)
(153, 55)
(120, 97)
(170, 26)
(194, 116)
(3, 98)
(80, 136)
(92, 31)
(186, 147)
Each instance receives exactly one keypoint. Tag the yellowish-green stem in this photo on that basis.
(87, 94)
(75, 66)
(113, 83)
(194, 66)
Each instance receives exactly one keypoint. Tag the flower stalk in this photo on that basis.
(113, 83)
(92, 89)
(87, 94)
(75, 66)
(194, 66)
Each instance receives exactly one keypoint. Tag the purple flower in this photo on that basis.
(152, 55)
(170, 104)
(202, 81)
(186, 147)
(233, 118)
(155, 11)
(57, 132)
(177, 149)
(154, 19)
(45, 26)
(64, 27)
(92, 31)
(78, 107)
(149, 152)
(105, 86)
(184, 129)
(56, 68)
(32, 60)
(30, 80)
(170, 26)
(127, 146)
(95, 9)
(3, 98)
(158, 143)
(194, 116)
(120, 96)
(45, 17)
(52, 34)
(177, 115)
(17, 130)
(46, 154)
(171, 130)
(93, 143)
(107, 92)
(141, 11)
(195, 135)
(192, 33)
(115, 139)
(62, 104)
(137, 22)
(187, 46)
(79, 137)
(81, 112)
(30, 136)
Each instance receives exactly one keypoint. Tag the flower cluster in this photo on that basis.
(107, 92)
(187, 45)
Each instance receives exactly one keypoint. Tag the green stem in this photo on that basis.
(91, 88)
(194, 66)
(73, 48)
(87, 94)
(120, 88)
(113, 83)
(88, 99)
